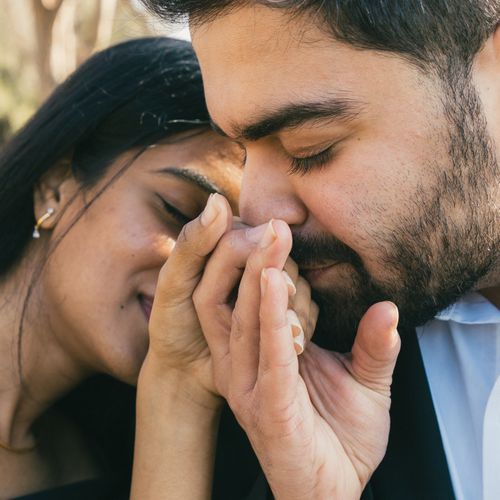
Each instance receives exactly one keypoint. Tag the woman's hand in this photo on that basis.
(318, 424)
(177, 405)
(177, 401)
(176, 343)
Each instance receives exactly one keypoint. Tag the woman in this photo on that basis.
(94, 190)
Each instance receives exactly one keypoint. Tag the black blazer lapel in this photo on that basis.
(414, 467)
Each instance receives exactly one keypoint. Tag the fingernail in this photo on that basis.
(211, 211)
(269, 236)
(298, 344)
(294, 322)
(263, 281)
(292, 289)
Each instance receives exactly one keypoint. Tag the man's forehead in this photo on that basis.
(245, 80)
(253, 66)
(261, 29)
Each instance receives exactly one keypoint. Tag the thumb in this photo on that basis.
(376, 347)
(183, 270)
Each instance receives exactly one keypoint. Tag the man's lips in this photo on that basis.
(315, 272)
(146, 302)
(317, 266)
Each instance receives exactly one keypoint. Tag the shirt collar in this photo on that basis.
(471, 309)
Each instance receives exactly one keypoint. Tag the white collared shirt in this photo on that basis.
(461, 353)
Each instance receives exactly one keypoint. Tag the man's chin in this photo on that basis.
(341, 312)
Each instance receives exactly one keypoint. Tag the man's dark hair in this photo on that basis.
(431, 33)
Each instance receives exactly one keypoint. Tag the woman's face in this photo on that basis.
(98, 286)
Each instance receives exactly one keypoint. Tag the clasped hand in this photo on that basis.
(318, 422)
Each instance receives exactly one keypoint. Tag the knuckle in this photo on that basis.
(254, 263)
(303, 288)
(302, 309)
(268, 369)
(184, 234)
(189, 239)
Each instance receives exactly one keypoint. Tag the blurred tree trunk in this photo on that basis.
(42, 41)
(44, 13)
(105, 21)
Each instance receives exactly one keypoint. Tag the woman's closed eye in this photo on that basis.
(180, 217)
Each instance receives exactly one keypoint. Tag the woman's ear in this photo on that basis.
(54, 190)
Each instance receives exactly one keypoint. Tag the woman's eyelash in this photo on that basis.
(304, 165)
(181, 218)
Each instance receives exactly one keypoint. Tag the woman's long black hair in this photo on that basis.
(128, 96)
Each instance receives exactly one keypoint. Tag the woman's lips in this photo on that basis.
(146, 303)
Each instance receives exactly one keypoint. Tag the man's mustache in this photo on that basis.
(313, 251)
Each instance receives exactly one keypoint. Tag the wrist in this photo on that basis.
(176, 386)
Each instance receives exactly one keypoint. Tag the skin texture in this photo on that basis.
(178, 402)
(319, 425)
(95, 321)
(125, 238)
(309, 427)
(386, 206)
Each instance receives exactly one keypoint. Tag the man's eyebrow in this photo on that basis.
(294, 115)
(192, 177)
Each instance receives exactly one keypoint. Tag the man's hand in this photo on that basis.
(319, 426)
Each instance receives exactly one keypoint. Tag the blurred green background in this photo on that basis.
(42, 41)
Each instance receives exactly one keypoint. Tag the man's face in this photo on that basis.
(363, 155)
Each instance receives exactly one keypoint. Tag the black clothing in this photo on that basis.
(93, 489)
(414, 467)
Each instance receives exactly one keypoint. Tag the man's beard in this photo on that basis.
(447, 240)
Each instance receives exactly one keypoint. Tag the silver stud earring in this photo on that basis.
(36, 230)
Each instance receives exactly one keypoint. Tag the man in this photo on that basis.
(370, 128)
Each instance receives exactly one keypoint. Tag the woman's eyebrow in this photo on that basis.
(191, 176)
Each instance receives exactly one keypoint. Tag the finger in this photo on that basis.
(303, 330)
(297, 331)
(301, 301)
(225, 267)
(212, 297)
(292, 269)
(183, 269)
(292, 289)
(311, 321)
(376, 347)
(272, 251)
(278, 367)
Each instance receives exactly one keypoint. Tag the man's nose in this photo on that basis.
(267, 192)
